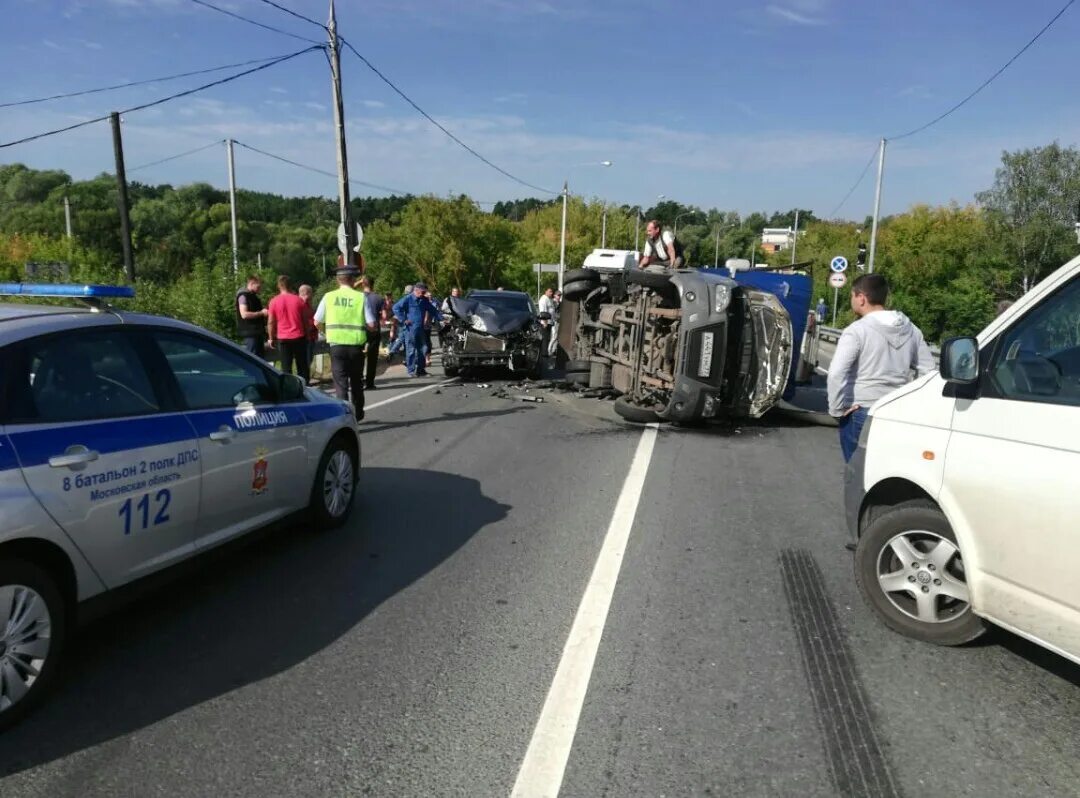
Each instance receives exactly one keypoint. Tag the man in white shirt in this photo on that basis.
(546, 304)
(875, 355)
(661, 248)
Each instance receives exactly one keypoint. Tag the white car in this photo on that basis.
(129, 443)
(964, 492)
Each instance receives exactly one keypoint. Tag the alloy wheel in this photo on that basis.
(25, 639)
(922, 575)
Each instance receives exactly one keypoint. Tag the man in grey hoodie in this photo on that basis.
(876, 354)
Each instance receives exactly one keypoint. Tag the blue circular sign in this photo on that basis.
(839, 264)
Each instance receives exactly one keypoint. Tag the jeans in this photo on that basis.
(295, 351)
(415, 349)
(850, 428)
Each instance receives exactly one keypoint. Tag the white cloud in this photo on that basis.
(92, 45)
(373, 104)
(918, 92)
(315, 106)
(793, 16)
(512, 97)
(51, 44)
(278, 90)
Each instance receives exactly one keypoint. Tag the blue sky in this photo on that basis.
(738, 104)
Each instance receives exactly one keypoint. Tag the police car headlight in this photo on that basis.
(478, 324)
(721, 298)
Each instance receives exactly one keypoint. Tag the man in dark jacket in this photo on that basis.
(251, 317)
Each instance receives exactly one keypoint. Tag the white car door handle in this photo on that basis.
(224, 435)
(80, 456)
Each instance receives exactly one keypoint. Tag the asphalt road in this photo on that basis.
(411, 653)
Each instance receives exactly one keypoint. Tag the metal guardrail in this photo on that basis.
(832, 335)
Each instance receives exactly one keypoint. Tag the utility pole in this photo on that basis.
(232, 206)
(603, 229)
(562, 238)
(877, 207)
(339, 126)
(637, 228)
(67, 216)
(795, 237)
(716, 257)
(122, 201)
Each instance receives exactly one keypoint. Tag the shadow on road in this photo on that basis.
(249, 612)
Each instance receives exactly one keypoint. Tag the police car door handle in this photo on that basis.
(224, 435)
(76, 455)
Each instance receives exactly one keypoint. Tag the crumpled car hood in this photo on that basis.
(487, 319)
(771, 326)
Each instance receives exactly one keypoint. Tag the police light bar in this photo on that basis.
(67, 290)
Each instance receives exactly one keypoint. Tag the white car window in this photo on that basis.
(1039, 358)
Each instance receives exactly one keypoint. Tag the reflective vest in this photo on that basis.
(345, 317)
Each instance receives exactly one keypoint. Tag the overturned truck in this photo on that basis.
(680, 346)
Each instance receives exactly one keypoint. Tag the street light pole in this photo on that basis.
(232, 206)
(562, 238)
(795, 238)
(716, 257)
(339, 125)
(637, 228)
(603, 228)
(877, 207)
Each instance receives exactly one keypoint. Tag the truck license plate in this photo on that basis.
(705, 364)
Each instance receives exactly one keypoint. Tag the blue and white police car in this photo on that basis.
(129, 443)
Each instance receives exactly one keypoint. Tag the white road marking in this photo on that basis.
(545, 761)
(407, 394)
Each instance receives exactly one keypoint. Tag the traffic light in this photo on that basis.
(860, 262)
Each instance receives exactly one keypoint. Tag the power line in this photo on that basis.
(137, 83)
(250, 21)
(178, 155)
(855, 185)
(990, 79)
(165, 99)
(431, 119)
(317, 170)
(292, 13)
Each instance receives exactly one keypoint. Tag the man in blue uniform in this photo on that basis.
(412, 311)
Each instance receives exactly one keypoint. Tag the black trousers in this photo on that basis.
(347, 366)
(295, 351)
(374, 340)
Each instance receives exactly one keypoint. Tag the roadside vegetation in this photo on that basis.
(949, 266)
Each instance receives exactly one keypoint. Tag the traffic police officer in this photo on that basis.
(341, 313)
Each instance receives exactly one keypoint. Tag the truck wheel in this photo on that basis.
(581, 275)
(910, 571)
(334, 491)
(653, 280)
(578, 290)
(635, 413)
(33, 626)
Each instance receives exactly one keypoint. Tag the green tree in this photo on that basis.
(1032, 205)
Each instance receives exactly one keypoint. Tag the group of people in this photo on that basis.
(350, 318)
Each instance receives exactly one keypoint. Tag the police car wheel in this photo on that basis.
(32, 631)
(335, 486)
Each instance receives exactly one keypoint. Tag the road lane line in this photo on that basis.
(545, 760)
(407, 394)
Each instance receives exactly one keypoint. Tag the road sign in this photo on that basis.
(837, 280)
(341, 238)
(838, 264)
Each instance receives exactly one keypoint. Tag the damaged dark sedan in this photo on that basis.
(493, 328)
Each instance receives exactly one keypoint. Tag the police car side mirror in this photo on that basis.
(290, 388)
(960, 361)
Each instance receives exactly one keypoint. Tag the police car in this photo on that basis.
(129, 443)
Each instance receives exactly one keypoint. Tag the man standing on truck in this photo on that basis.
(874, 355)
(661, 248)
